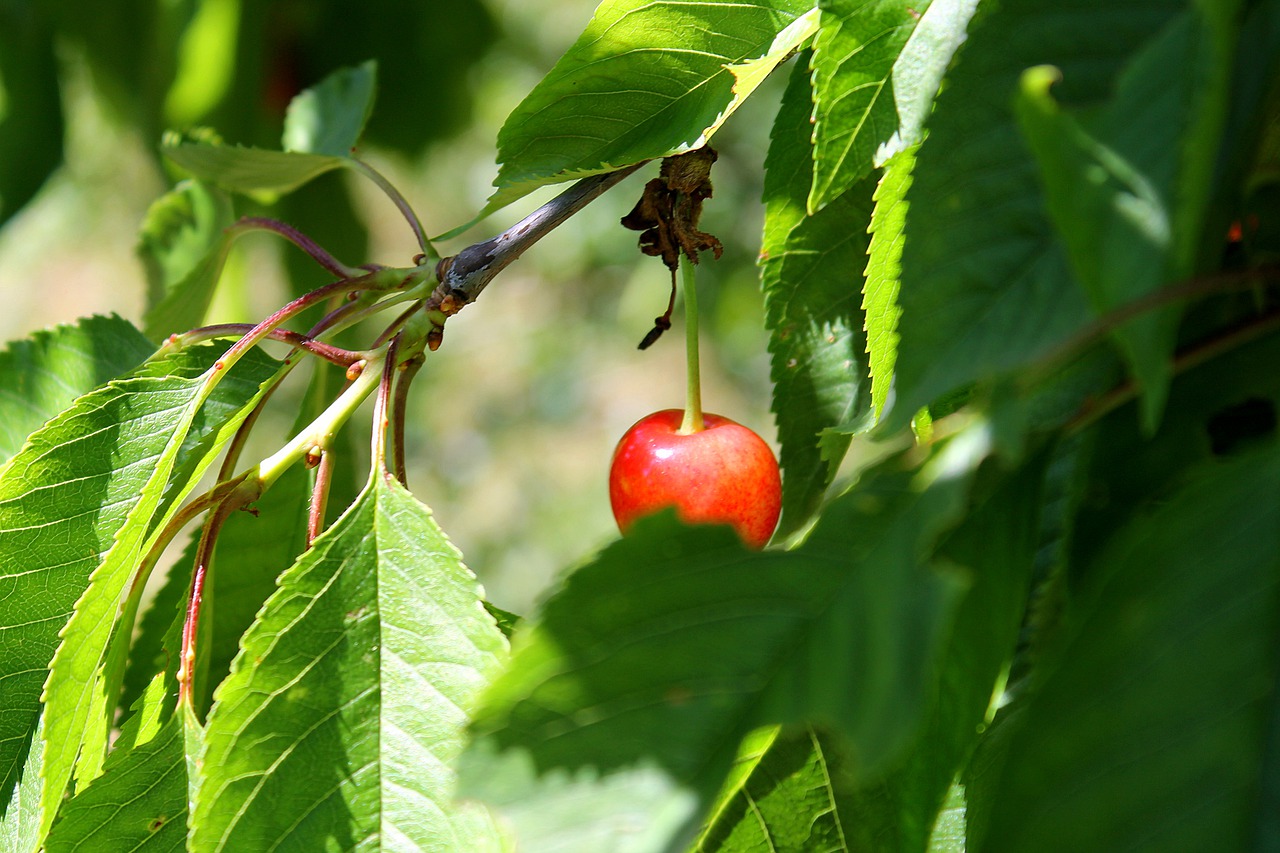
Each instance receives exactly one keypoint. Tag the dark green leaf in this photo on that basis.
(353, 684)
(183, 245)
(853, 89)
(809, 275)
(1121, 187)
(41, 376)
(625, 704)
(30, 105)
(329, 117)
(1157, 728)
(645, 80)
(986, 285)
(791, 800)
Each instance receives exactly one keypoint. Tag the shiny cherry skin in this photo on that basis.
(723, 474)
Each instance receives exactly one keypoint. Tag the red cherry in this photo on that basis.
(724, 473)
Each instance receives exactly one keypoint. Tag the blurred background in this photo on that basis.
(514, 419)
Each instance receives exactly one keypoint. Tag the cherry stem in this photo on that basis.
(401, 203)
(204, 559)
(382, 406)
(693, 395)
(399, 407)
(336, 355)
(297, 238)
(320, 496)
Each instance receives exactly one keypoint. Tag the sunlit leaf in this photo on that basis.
(42, 375)
(884, 267)
(853, 88)
(329, 117)
(83, 489)
(810, 277)
(644, 80)
(139, 803)
(354, 685)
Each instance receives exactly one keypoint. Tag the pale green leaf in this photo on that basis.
(354, 686)
(329, 117)
(183, 245)
(252, 171)
(809, 276)
(644, 80)
(884, 267)
(855, 111)
(919, 69)
(41, 376)
(619, 719)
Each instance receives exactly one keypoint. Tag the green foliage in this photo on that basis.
(809, 267)
(643, 81)
(330, 682)
(1045, 617)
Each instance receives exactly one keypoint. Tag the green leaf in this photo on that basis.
(790, 801)
(644, 80)
(919, 70)
(41, 376)
(84, 489)
(810, 283)
(1157, 727)
(619, 718)
(853, 90)
(252, 171)
(353, 684)
(31, 124)
(20, 823)
(1119, 189)
(986, 285)
(184, 245)
(138, 803)
(328, 118)
(948, 834)
(884, 268)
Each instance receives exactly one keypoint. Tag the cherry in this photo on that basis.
(723, 473)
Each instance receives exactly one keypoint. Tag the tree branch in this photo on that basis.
(464, 275)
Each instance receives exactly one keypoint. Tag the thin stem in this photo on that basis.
(1078, 343)
(351, 313)
(382, 406)
(1184, 361)
(693, 391)
(204, 558)
(401, 203)
(302, 241)
(232, 457)
(396, 324)
(319, 433)
(328, 352)
(320, 496)
(398, 409)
